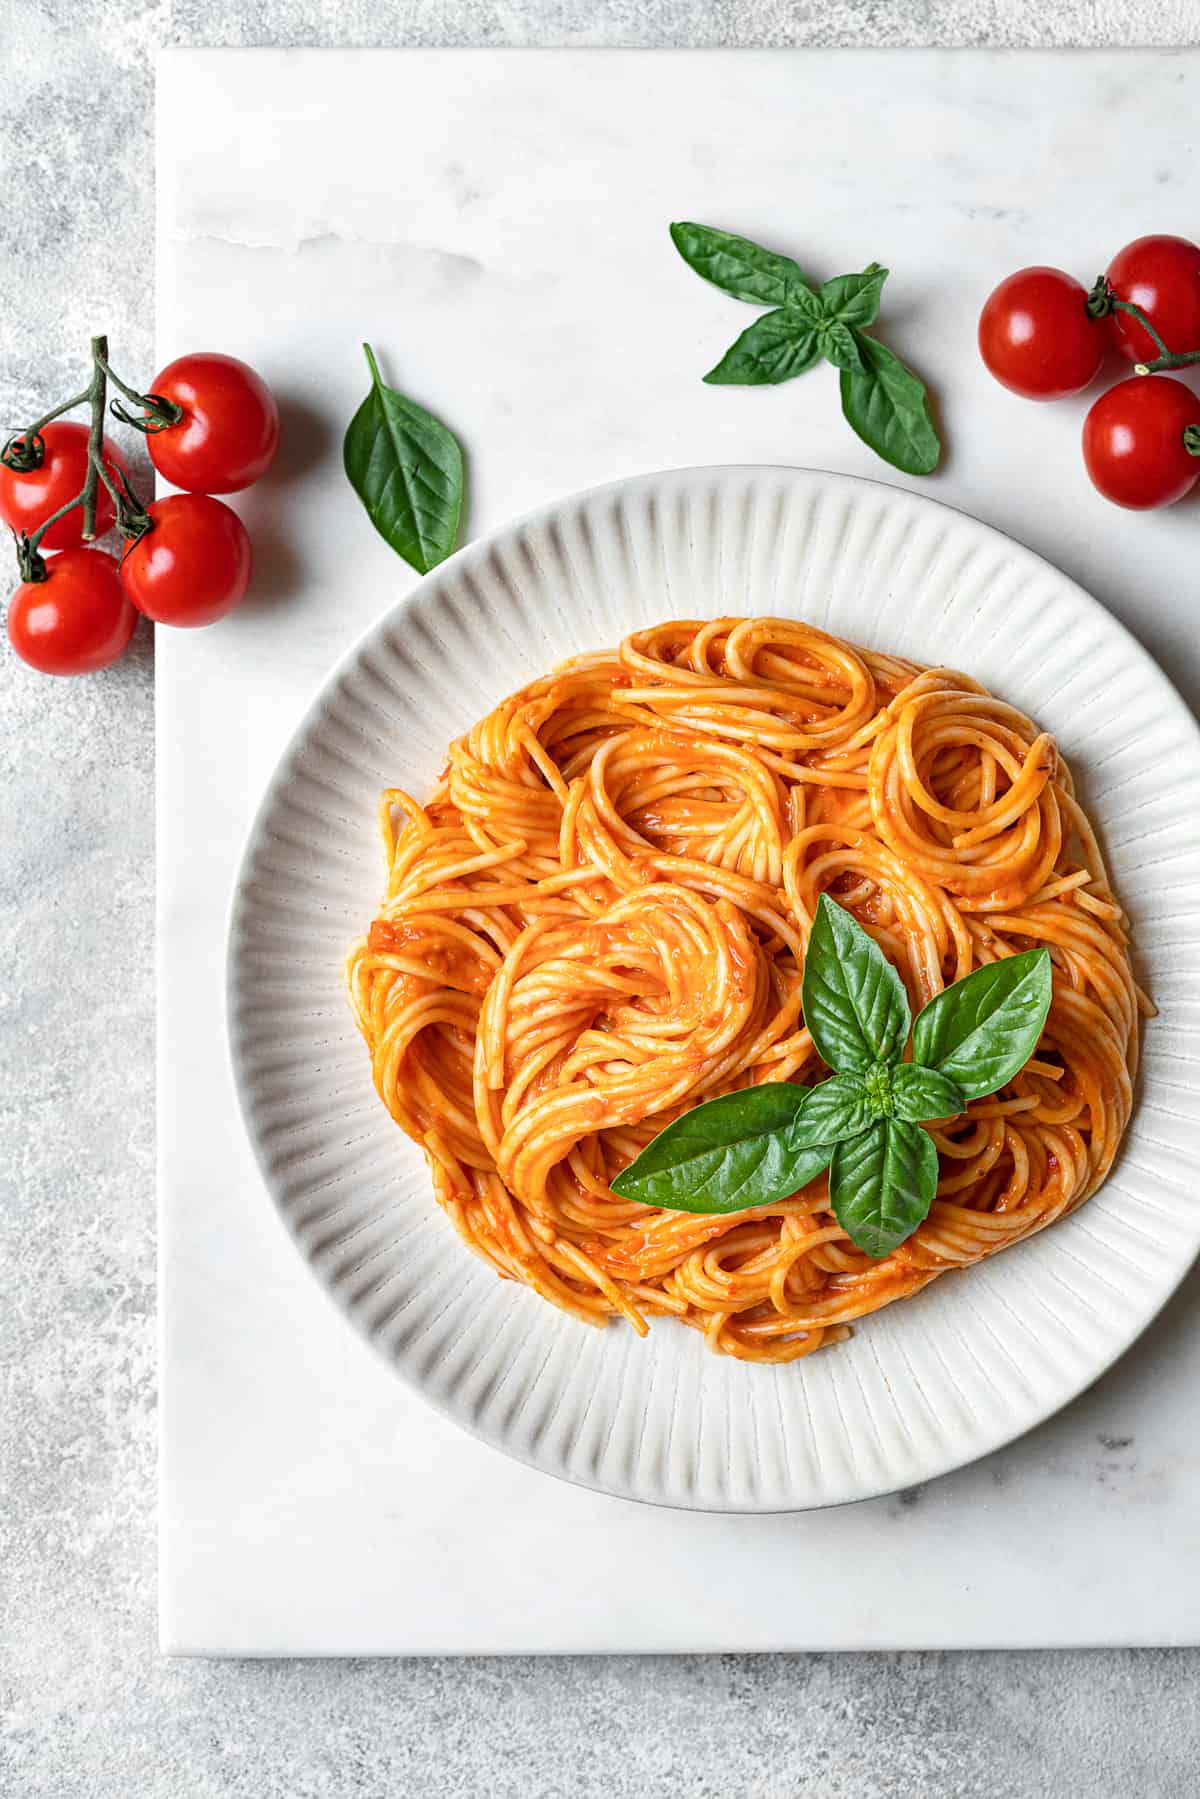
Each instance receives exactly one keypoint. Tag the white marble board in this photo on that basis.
(495, 221)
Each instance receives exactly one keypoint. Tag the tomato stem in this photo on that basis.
(157, 413)
(1191, 439)
(1170, 359)
(1135, 312)
(30, 563)
(132, 520)
(1102, 301)
(96, 398)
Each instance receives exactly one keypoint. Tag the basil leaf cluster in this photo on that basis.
(757, 1146)
(881, 399)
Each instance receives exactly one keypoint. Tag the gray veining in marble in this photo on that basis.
(87, 1707)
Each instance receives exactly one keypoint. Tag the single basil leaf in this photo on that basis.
(737, 266)
(726, 1155)
(919, 1093)
(881, 1184)
(889, 409)
(854, 299)
(407, 470)
(837, 1108)
(806, 305)
(774, 348)
(854, 1002)
(983, 1030)
(840, 347)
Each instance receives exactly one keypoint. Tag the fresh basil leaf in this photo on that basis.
(407, 469)
(737, 266)
(854, 1002)
(889, 409)
(983, 1030)
(882, 1183)
(774, 348)
(726, 1155)
(919, 1093)
(837, 1108)
(806, 305)
(839, 346)
(854, 299)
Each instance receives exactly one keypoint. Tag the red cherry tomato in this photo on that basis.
(230, 426)
(27, 499)
(1036, 335)
(77, 619)
(194, 566)
(1134, 443)
(1161, 275)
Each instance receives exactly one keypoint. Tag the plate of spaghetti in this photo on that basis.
(537, 877)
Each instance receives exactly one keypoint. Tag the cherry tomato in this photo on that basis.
(1161, 275)
(27, 499)
(230, 426)
(194, 566)
(1036, 336)
(77, 619)
(1134, 444)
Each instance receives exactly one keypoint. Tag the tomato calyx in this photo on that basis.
(157, 412)
(30, 561)
(26, 451)
(1102, 300)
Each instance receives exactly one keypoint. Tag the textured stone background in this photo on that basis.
(87, 1707)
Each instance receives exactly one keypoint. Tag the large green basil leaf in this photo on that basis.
(882, 1183)
(854, 1001)
(888, 407)
(737, 266)
(775, 347)
(726, 1155)
(983, 1030)
(407, 469)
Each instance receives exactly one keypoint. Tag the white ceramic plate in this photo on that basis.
(933, 1381)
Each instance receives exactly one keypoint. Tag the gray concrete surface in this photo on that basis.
(87, 1707)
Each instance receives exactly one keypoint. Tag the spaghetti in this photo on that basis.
(599, 919)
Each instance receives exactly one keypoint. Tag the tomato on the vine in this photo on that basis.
(75, 621)
(1161, 276)
(229, 431)
(29, 497)
(1037, 336)
(1141, 442)
(193, 566)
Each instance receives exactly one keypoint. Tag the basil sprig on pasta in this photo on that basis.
(757, 1146)
(882, 400)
